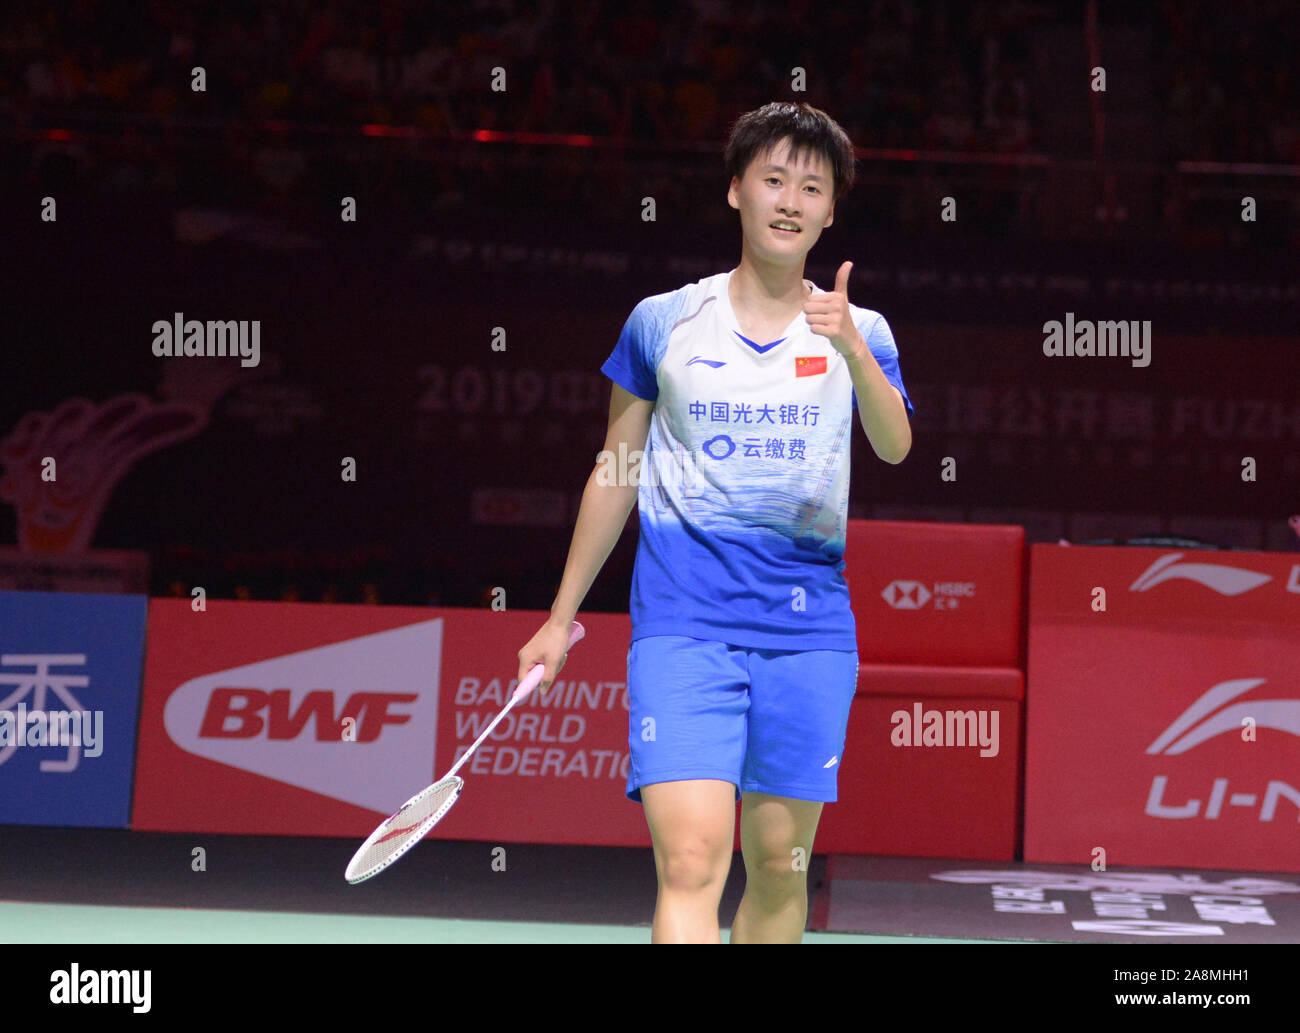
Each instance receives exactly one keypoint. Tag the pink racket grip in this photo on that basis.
(534, 677)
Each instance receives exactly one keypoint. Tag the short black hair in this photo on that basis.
(807, 128)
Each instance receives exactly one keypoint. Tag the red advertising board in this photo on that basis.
(1163, 719)
(306, 719)
(915, 796)
(934, 593)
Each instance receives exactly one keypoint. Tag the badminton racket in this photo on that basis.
(425, 809)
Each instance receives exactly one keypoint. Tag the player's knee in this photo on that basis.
(693, 866)
(779, 875)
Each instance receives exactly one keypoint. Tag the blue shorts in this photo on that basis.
(766, 720)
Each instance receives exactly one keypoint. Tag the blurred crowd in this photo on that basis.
(898, 74)
(1227, 80)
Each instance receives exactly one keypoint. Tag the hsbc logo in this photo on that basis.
(1208, 717)
(906, 595)
(913, 595)
(356, 721)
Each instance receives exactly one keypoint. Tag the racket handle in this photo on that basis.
(534, 677)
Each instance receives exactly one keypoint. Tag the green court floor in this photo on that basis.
(83, 924)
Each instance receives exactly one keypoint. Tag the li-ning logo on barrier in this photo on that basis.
(1202, 721)
(1221, 578)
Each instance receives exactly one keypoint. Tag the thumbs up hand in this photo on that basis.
(828, 315)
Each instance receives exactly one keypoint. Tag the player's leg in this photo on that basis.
(776, 834)
(693, 826)
(798, 719)
(687, 705)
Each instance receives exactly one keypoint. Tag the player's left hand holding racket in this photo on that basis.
(426, 808)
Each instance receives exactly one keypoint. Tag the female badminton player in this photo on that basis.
(742, 389)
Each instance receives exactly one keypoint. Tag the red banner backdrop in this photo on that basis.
(304, 719)
(1163, 708)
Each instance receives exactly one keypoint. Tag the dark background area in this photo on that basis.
(522, 210)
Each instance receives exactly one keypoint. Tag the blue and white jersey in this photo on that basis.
(744, 486)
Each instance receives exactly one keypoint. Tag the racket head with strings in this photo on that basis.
(426, 808)
(404, 829)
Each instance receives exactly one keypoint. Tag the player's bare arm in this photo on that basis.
(606, 503)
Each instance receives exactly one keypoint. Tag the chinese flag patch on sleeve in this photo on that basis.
(809, 365)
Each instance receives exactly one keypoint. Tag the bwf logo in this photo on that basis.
(250, 713)
(311, 720)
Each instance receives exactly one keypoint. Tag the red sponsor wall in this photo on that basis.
(306, 719)
(1164, 728)
(931, 764)
(303, 719)
(1161, 727)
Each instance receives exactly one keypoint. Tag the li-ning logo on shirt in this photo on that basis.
(708, 362)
